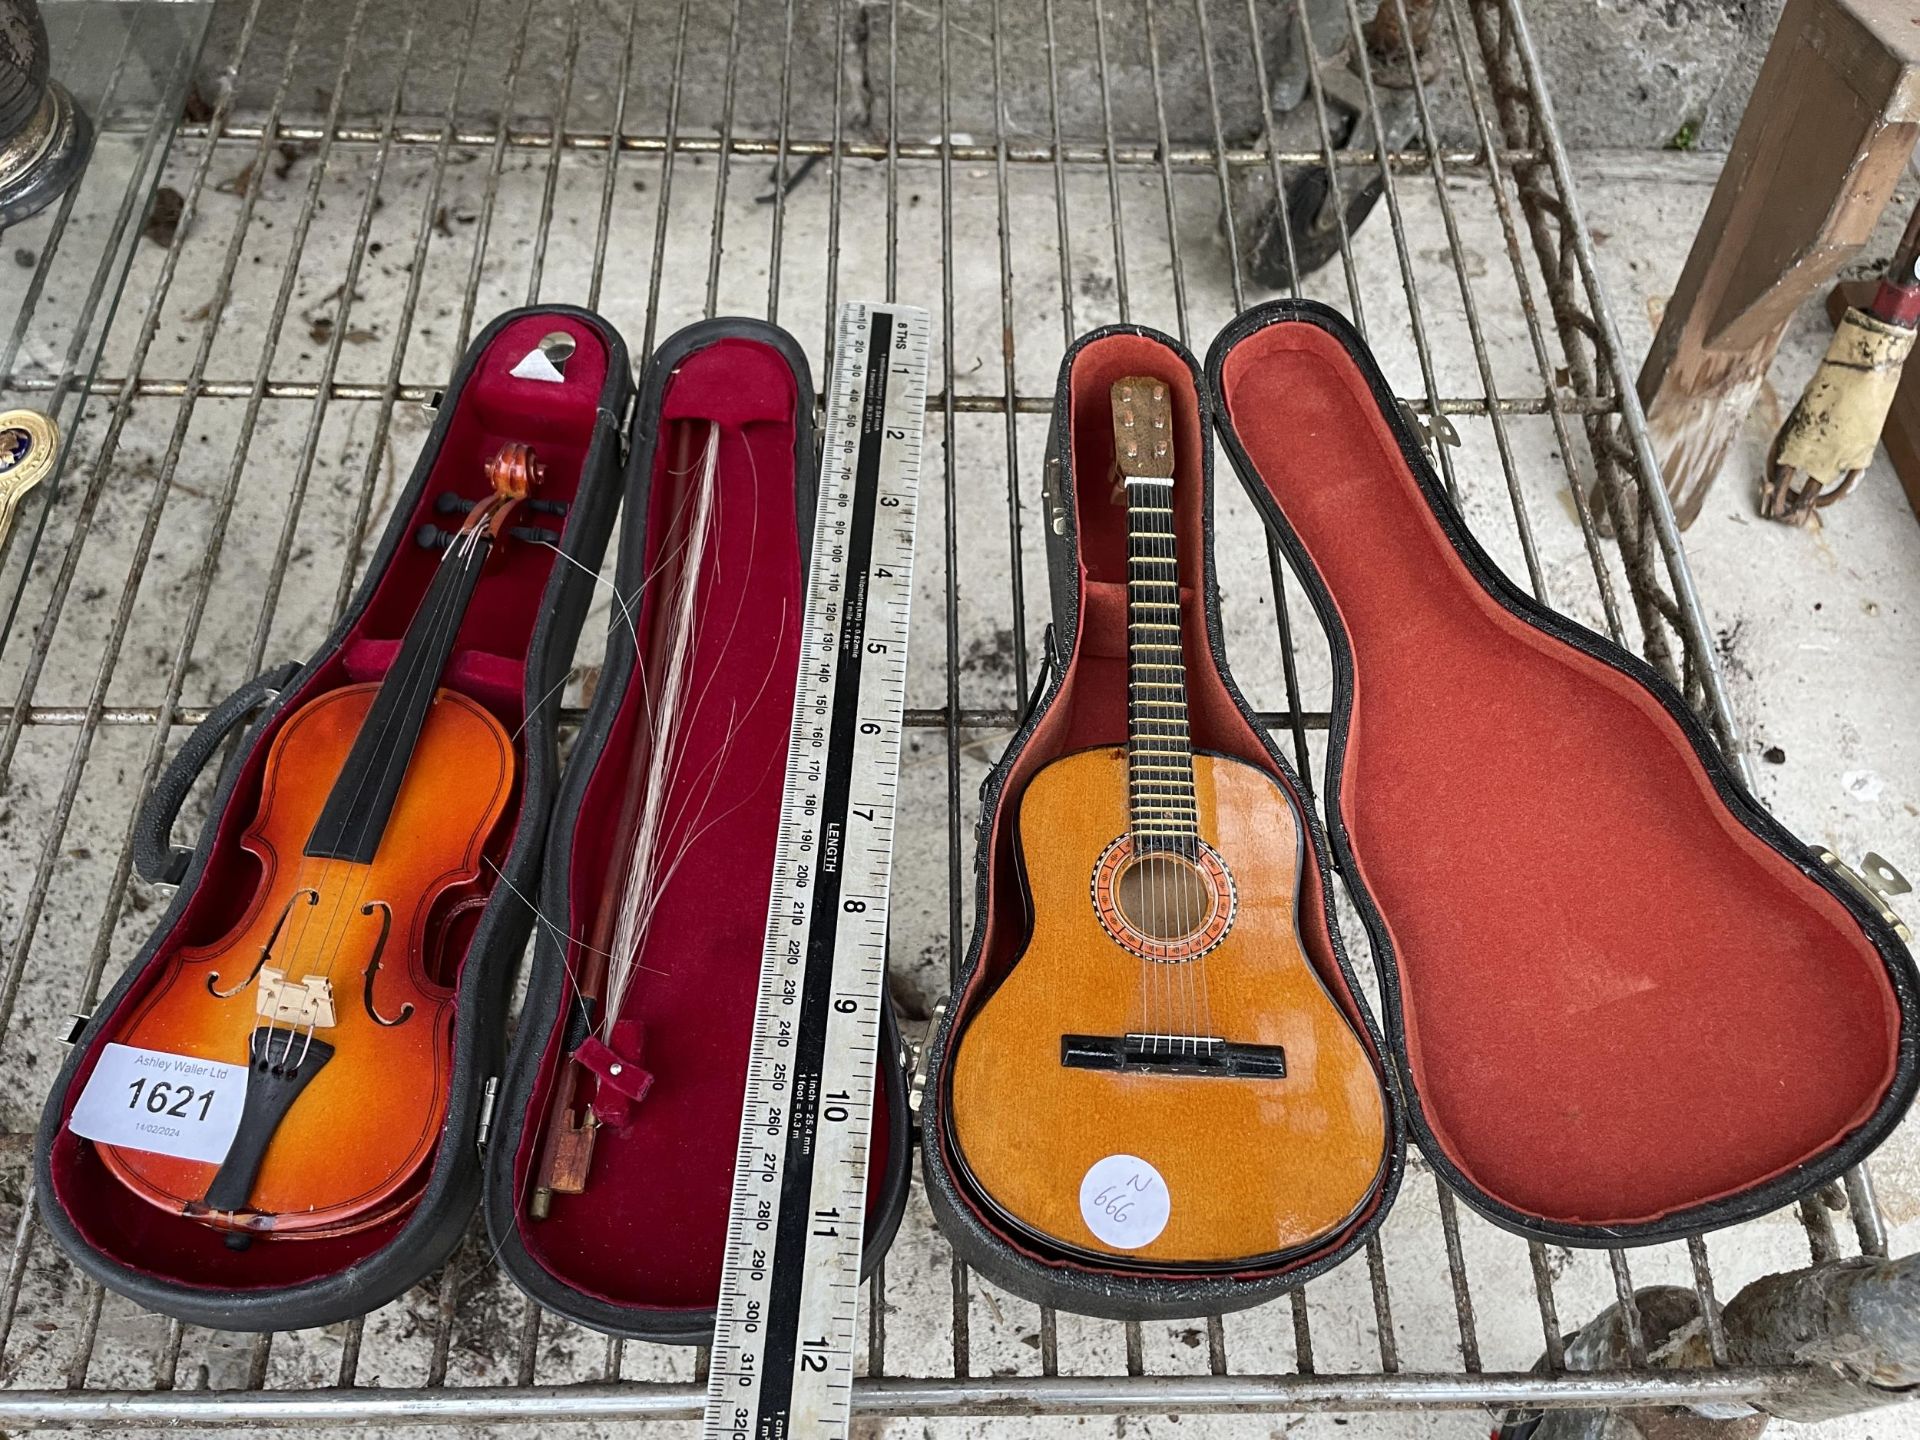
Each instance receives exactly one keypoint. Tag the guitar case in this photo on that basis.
(638, 1252)
(1081, 703)
(1625, 1005)
(511, 654)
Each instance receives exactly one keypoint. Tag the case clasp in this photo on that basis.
(917, 1076)
(1435, 430)
(1876, 886)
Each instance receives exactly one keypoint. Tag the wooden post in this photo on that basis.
(1832, 120)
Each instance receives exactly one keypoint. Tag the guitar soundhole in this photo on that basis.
(1163, 906)
(1164, 897)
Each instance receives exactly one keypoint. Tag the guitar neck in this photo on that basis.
(1161, 800)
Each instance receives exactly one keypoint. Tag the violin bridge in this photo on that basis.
(305, 1005)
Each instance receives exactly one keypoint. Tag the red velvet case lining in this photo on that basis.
(1091, 708)
(488, 664)
(648, 1230)
(1619, 1002)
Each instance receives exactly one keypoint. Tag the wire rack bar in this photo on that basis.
(1180, 157)
(167, 387)
(1007, 1398)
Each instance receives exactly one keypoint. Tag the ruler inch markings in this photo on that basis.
(782, 1358)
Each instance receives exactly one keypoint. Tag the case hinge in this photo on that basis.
(917, 1076)
(76, 1027)
(487, 1097)
(1050, 492)
(1879, 882)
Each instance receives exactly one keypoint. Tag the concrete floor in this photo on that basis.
(1817, 629)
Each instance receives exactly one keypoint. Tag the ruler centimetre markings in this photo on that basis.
(782, 1359)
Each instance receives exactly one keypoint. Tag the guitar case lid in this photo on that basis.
(1624, 1004)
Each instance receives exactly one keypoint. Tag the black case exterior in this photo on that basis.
(1066, 1284)
(434, 1226)
(1732, 1209)
(547, 985)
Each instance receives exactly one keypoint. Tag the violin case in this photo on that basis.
(1625, 1005)
(1081, 703)
(638, 1252)
(513, 651)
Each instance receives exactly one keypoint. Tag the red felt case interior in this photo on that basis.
(1090, 709)
(488, 664)
(1618, 1000)
(648, 1230)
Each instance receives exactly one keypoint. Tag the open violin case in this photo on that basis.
(637, 1251)
(1081, 704)
(512, 650)
(1624, 1004)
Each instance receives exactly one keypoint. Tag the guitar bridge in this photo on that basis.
(1203, 1055)
(307, 1005)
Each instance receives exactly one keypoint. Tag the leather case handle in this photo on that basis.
(155, 856)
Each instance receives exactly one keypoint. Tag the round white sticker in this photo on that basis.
(1125, 1202)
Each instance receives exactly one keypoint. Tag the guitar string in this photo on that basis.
(1139, 551)
(1168, 907)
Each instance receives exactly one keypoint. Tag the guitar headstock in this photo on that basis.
(1142, 428)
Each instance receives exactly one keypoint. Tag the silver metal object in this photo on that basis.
(44, 136)
(258, 533)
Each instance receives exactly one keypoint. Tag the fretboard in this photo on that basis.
(1159, 758)
(361, 801)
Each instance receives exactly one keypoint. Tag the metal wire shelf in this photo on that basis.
(256, 399)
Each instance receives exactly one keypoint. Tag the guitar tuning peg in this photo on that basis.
(452, 504)
(534, 535)
(431, 537)
(547, 507)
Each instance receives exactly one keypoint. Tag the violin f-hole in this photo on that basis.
(373, 966)
(266, 950)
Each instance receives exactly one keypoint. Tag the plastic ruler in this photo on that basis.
(782, 1359)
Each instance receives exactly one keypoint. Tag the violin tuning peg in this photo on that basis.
(431, 537)
(547, 507)
(534, 535)
(451, 504)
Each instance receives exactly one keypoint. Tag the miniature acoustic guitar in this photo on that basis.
(1161, 1078)
(376, 805)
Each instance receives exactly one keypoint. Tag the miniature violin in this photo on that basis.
(1161, 1077)
(377, 801)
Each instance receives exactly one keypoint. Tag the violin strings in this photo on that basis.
(447, 614)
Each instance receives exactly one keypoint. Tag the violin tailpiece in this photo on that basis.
(283, 1061)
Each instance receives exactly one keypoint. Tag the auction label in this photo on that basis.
(167, 1104)
(1125, 1202)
